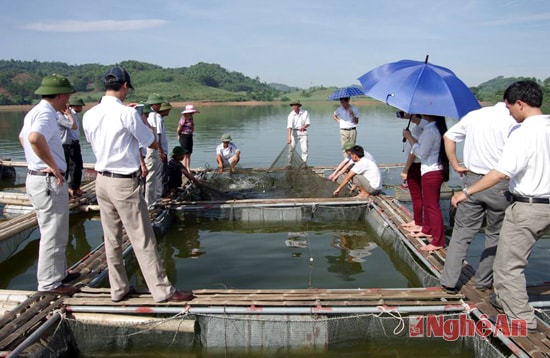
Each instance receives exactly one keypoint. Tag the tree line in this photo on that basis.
(202, 81)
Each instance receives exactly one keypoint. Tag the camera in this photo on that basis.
(139, 109)
(400, 114)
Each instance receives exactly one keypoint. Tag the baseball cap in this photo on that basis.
(117, 74)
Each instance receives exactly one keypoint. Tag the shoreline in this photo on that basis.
(363, 102)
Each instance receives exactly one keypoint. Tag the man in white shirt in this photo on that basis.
(347, 117)
(227, 154)
(524, 161)
(155, 158)
(115, 133)
(45, 183)
(484, 132)
(365, 174)
(297, 124)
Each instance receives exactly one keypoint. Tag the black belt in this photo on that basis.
(531, 200)
(120, 176)
(476, 174)
(347, 129)
(73, 143)
(41, 174)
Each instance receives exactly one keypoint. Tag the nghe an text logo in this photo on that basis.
(450, 329)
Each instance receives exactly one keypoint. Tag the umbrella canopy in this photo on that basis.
(419, 87)
(345, 92)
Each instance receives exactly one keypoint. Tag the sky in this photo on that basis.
(301, 43)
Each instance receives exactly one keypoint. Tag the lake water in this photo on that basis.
(213, 254)
(260, 132)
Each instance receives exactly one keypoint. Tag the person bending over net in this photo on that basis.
(227, 154)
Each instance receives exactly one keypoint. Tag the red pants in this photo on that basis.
(415, 189)
(433, 218)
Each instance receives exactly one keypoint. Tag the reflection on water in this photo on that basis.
(19, 270)
(214, 254)
(355, 246)
(78, 245)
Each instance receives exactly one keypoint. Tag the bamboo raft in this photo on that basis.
(313, 297)
(16, 225)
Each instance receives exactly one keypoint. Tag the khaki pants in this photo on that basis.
(523, 225)
(121, 206)
(347, 136)
(361, 180)
(153, 182)
(489, 204)
(51, 202)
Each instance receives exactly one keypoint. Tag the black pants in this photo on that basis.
(73, 156)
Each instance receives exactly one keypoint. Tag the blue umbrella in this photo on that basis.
(419, 87)
(345, 92)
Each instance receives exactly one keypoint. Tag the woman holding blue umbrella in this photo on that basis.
(434, 168)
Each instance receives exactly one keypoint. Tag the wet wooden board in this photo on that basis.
(298, 297)
(25, 317)
(532, 344)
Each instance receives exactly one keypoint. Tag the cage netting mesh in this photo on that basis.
(287, 177)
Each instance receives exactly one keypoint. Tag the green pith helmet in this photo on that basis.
(348, 145)
(226, 138)
(296, 103)
(177, 151)
(165, 106)
(154, 99)
(147, 108)
(76, 101)
(54, 84)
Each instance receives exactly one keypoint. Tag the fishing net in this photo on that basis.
(287, 177)
(384, 333)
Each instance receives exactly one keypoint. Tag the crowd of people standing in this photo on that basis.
(506, 184)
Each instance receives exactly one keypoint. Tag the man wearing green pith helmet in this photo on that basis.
(45, 183)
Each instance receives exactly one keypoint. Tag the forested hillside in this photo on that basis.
(492, 90)
(200, 82)
(203, 81)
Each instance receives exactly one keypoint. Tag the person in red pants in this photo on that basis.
(434, 169)
(411, 176)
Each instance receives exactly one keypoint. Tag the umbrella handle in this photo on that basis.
(408, 125)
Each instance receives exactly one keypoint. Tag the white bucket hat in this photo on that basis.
(190, 109)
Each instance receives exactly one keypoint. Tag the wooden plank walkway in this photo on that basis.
(535, 344)
(393, 212)
(280, 298)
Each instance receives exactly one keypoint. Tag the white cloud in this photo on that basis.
(94, 26)
(518, 19)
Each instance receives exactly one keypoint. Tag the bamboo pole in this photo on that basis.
(12, 227)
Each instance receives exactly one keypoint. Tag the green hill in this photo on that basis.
(203, 81)
(200, 82)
